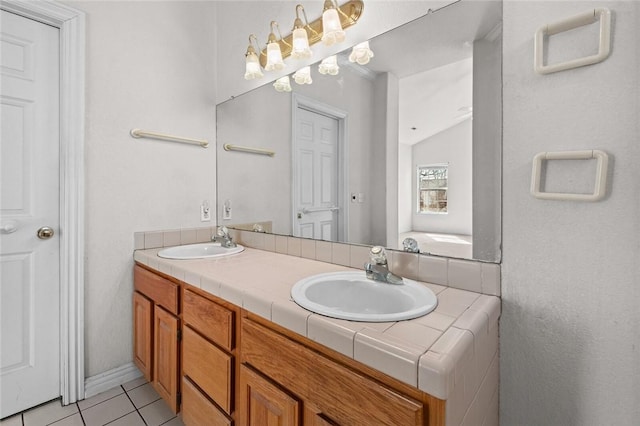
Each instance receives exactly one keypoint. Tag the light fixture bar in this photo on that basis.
(349, 14)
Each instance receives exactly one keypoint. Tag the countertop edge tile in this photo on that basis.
(392, 356)
(288, 314)
(332, 333)
(436, 374)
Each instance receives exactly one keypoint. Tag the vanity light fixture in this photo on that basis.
(331, 25)
(300, 49)
(303, 76)
(252, 69)
(294, 45)
(361, 53)
(329, 66)
(274, 53)
(282, 84)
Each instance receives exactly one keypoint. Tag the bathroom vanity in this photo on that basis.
(243, 353)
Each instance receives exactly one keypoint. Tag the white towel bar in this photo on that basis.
(230, 147)
(137, 133)
(576, 21)
(601, 175)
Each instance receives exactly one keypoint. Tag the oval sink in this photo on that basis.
(199, 251)
(352, 296)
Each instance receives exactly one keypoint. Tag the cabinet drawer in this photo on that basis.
(197, 410)
(162, 291)
(209, 367)
(210, 319)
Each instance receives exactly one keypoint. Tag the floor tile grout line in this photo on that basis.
(82, 410)
(172, 418)
(61, 418)
(147, 404)
(108, 399)
(134, 406)
(115, 420)
(81, 416)
(135, 387)
(98, 403)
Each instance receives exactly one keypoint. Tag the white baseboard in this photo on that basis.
(110, 379)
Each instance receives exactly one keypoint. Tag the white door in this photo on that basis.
(315, 193)
(29, 201)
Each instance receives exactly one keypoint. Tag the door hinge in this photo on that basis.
(179, 399)
(179, 334)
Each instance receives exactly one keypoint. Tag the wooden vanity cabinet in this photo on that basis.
(237, 367)
(279, 375)
(208, 354)
(156, 330)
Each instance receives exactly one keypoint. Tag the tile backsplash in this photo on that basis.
(479, 277)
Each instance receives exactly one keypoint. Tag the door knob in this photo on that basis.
(45, 233)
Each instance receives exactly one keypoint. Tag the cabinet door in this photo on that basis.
(143, 334)
(264, 404)
(165, 368)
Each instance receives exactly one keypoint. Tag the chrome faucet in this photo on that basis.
(377, 268)
(222, 236)
(410, 245)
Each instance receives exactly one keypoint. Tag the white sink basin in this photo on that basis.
(352, 296)
(199, 251)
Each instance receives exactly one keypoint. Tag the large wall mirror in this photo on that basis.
(405, 146)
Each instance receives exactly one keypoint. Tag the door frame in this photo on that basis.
(300, 101)
(71, 23)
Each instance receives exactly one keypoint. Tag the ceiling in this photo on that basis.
(436, 76)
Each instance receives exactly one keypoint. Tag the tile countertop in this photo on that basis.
(434, 353)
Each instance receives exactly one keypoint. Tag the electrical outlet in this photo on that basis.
(205, 212)
(226, 210)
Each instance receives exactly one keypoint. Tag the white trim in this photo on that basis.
(110, 379)
(71, 23)
(300, 101)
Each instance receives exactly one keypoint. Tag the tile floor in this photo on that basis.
(133, 404)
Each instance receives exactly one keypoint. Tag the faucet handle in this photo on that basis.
(410, 245)
(378, 255)
(222, 231)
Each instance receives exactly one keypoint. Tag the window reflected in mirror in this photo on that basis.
(432, 188)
